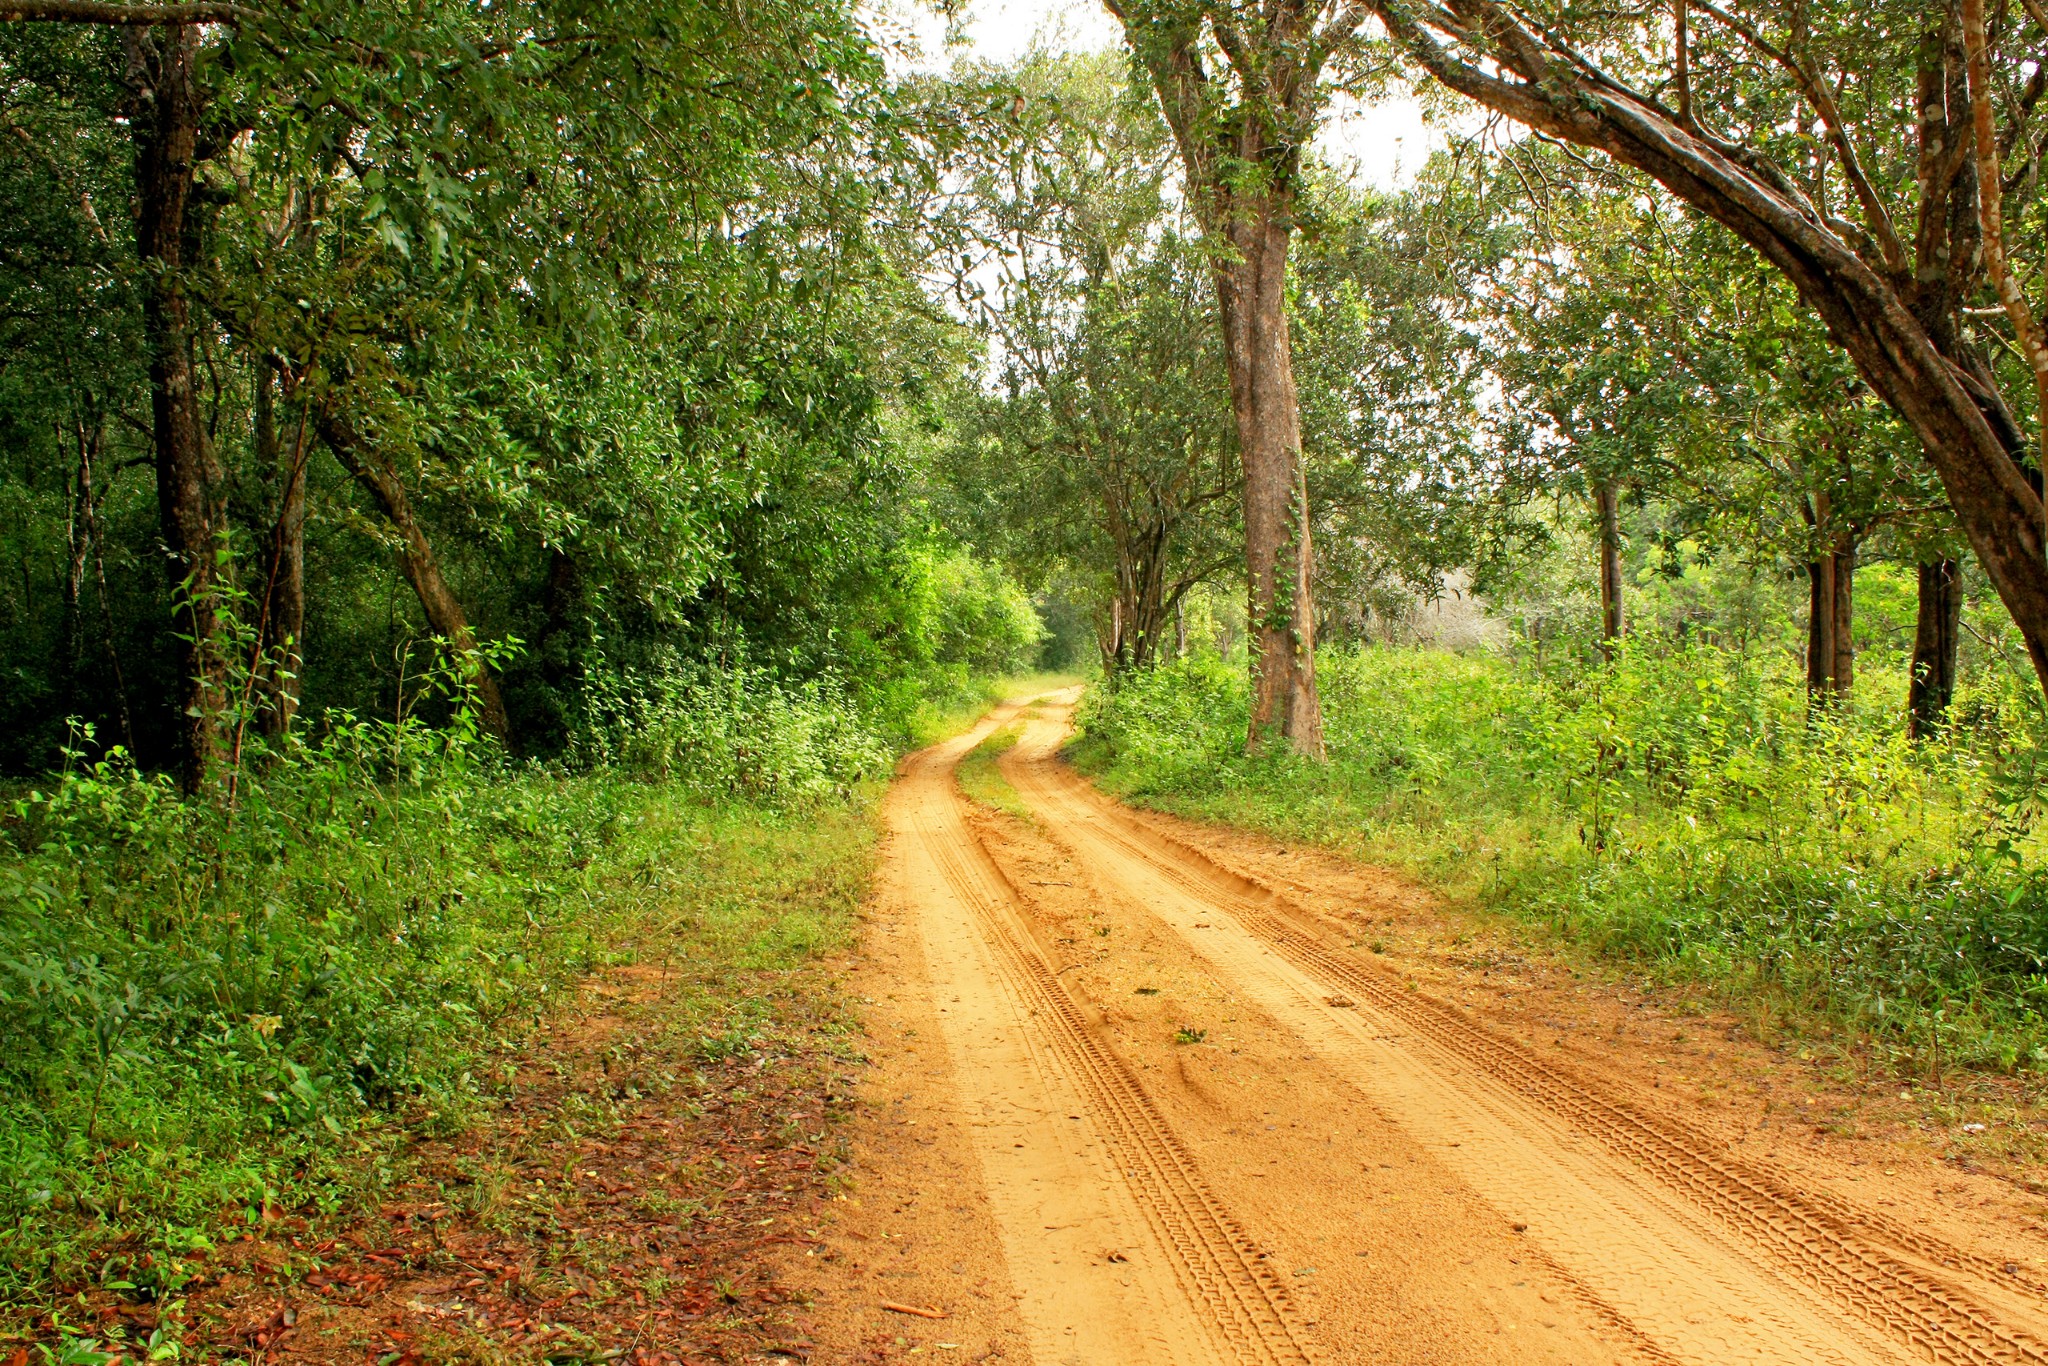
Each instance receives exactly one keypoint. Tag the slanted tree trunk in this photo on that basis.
(1936, 633)
(282, 610)
(374, 472)
(166, 110)
(1610, 565)
(1280, 607)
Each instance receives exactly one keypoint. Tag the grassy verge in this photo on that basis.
(206, 1049)
(983, 781)
(388, 972)
(1678, 811)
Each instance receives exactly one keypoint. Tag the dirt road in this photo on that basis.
(1152, 1095)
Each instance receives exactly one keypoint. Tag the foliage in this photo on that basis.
(209, 1010)
(1061, 460)
(641, 391)
(1677, 810)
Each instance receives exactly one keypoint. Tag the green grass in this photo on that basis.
(1677, 812)
(983, 781)
(206, 1012)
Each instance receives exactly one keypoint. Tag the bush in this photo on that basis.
(205, 1005)
(736, 733)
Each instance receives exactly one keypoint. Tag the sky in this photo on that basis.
(1384, 144)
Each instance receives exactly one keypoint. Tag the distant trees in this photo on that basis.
(1103, 442)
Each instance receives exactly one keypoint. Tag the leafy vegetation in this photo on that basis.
(1676, 809)
(980, 778)
(213, 1010)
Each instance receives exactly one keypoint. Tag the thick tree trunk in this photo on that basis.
(444, 613)
(1936, 634)
(1820, 630)
(1280, 611)
(166, 129)
(283, 607)
(1610, 565)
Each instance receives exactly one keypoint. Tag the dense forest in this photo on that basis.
(458, 460)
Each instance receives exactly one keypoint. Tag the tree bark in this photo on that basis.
(1610, 565)
(1242, 154)
(1905, 358)
(166, 115)
(1820, 630)
(1830, 625)
(1936, 634)
(1280, 608)
(380, 480)
(283, 606)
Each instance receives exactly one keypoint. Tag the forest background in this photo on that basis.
(490, 490)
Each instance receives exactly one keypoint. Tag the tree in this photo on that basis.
(1390, 385)
(1241, 86)
(1781, 120)
(456, 287)
(1104, 448)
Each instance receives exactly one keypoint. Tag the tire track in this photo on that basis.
(1812, 1239)
(1216, 1264)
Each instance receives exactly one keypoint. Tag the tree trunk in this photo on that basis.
(1610, 566)
(283, 608)
(1280, 609)
(1936, 634)
(1820, 630)
(167, 108)
(1830, 621)
(444, 613)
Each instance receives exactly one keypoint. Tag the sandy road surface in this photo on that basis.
(1151, 1101)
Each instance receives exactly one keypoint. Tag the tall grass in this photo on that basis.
(1679, 809)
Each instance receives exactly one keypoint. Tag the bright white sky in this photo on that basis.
(1385, 143)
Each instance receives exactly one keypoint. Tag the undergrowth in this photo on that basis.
(213, 1009)
(1679, 810)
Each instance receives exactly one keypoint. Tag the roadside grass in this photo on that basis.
(393, 968)
(981, 778)
(1679, 812)
(274, 1048)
